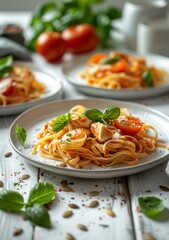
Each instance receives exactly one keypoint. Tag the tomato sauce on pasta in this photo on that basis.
(82, 142)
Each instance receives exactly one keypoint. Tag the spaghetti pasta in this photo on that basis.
(82, 141)
(19, 86)
(119, 70)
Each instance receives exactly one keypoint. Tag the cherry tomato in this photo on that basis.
(51, 46)
(119, 66)
(94, 59)
(128, 125)
(6, 86)
(80, 38)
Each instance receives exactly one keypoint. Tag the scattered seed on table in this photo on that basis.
(67, 214)
(8, 154)
(164, 188)
(73, 205)
(1, 184)
(82, 227)
(24, 217)
(69, 236)
(149, 236)
(93, 193)
(17, 232)
(25, 176)
(64, 183)
(66, 189)
(110, 212)
(93, 204)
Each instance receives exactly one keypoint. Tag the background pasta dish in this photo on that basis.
(119, 70)
(89, 136)
(18, 85)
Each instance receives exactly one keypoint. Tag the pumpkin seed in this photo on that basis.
(148, 236)
(1, 184)
(64, 183)
(93, 193)
(25, 176)
(73, 205)
(66, 189)
(8, 154)
(69, 236)
(93, 204)
(67, 214)
(110, 212)
(17, 231)
(82, 227)
(24, 217)
(164, 188)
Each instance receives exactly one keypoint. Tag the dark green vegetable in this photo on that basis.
(60, 122)
(41, 194)
(5, 65)
(56, 16)
(110, 60)
(21, 134)
(96, 115)
(151, 206)
(11, 201)
(38, 215)
(148, 78)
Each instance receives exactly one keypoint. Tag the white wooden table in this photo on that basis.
(121, 194)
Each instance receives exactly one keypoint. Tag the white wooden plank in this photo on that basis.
(11, 169)
(101, 226)
(148, 184)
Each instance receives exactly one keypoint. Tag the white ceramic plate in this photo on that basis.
(33, 120)
(73, 68)
(53, 90)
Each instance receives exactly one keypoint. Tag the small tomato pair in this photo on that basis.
(77, 39)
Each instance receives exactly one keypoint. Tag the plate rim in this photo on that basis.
(144, 166)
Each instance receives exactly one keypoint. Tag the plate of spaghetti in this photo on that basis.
(24, 85)
(119, 75)
(75, 138)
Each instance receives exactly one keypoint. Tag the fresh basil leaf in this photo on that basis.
(21, 133)
(151, 206)
(11, 201)
(60, 122)
(6, 61)
(110, 60)
(38, 215)
(148, 78)
(5, 65)
(111, 112)
(93, 114)
(5, 71)
(42, 193)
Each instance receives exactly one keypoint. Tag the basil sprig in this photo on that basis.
(41, 194)
(93, 114)
(60, 122)
(148, 78)
(21, 134)
(151, 206)
(96, 115)
(110, 60)
(5, 65)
